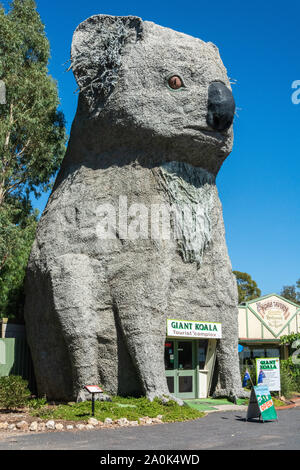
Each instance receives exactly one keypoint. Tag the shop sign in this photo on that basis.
(271, 369)
(193, 329)
(275, 312)
(261, 404)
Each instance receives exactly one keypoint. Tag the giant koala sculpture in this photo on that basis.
(153, 126)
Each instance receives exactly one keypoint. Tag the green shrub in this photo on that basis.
(288, 385)
(277, 402)
(293, 370)
(14, 392)
(37, 403)
(297, 381)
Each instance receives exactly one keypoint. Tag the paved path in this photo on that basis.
(222, 430)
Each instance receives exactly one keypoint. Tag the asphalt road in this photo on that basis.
(217, 431)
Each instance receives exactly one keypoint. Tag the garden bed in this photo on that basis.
(120, 412)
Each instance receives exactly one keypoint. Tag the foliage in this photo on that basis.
(17, 231)
(290, 292)
(37, 403)
(293, 343)
(297, 382)
(288, 383)
(131, 408)
(278, 402)
(293, 371)
(247, 287)
(289, 339)
(32, 131)
(14, 392)
(32, 141)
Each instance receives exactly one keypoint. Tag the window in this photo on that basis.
(169, 355)
(185, 355)
(202, 348)
(251, 352)
(272, 352)
(185, 384)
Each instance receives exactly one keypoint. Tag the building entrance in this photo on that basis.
(185, 362)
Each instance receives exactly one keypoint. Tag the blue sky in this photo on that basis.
(259, 182)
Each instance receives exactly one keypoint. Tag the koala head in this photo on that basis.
(156, 83)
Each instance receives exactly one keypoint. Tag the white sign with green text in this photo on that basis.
(193, 329)
(271, 372)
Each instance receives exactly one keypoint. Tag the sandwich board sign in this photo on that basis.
(271, 369)
(261, 404)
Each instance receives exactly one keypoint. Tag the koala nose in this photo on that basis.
(221, 107)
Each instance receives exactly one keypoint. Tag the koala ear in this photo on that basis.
(96, 53)
(214, 48)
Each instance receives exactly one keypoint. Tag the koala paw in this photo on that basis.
(164, 397)
(232, 395)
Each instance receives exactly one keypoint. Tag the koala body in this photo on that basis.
(96, 308)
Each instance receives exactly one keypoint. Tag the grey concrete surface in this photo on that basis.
(217, 431)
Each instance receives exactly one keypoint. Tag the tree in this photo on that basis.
(290, 292)
(32, 141)
(17, 231)
(298, 291)
(32, 130)
(247, 287)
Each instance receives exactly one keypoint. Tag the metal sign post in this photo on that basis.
(93, 389)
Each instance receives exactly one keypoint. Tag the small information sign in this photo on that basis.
(93, 389)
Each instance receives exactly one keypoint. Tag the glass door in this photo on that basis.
(186, 369)
(181, 367)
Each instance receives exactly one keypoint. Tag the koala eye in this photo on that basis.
(175, 82)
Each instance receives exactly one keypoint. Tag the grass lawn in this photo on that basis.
(206, 404)
(130, 408)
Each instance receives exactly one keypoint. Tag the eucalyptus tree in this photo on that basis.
(32, 139)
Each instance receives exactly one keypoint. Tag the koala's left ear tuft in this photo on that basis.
(214, 48)
(96, 54)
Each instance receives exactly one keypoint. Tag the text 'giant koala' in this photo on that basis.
(153, 125)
